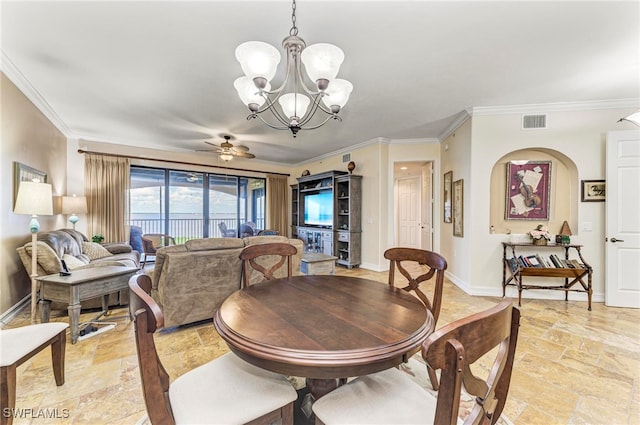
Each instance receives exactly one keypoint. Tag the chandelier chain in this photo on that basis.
(294, 28)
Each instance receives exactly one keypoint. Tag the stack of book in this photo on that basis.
(536, 260)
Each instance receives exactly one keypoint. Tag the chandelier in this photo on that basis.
(321, 61)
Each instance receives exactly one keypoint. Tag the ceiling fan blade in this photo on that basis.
(244, 154)
(207, 150)
(212, 144)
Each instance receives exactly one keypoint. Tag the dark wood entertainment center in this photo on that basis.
(338, 235)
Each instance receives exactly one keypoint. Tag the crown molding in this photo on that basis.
(13, 73)
(463, 117)
(554, 107)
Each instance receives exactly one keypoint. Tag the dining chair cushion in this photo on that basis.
(242, 392)
(17, 342)
(378, 399)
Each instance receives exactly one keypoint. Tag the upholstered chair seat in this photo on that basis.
(18, 345)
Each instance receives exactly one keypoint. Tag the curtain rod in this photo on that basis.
(180, 162)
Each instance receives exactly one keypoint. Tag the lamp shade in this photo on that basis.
(258, 59)
(294, 104)
(74, 205)
(322, 61)
(338, 93)
(34, 199)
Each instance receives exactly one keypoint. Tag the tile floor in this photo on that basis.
(573, 366)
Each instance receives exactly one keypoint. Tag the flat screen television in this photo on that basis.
(318, 209)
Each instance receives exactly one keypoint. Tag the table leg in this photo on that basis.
(105, 304)
(74, 321)
(321, 387)
(45, 311)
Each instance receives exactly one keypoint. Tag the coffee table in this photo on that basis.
(317, 263)
(82, 285)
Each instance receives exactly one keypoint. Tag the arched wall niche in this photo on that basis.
(563, 199)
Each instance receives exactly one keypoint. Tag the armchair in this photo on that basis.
(151, 242)
(226, 232)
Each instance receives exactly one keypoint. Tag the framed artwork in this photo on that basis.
(22, 173)
(458, 208)
(593, 190)
(448, 178)
(528, 185)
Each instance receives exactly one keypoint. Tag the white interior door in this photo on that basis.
(409, 212)
(426, 208)
(622, 253)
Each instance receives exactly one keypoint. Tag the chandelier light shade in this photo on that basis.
(633, 118)
(74, 205)
(298, 103)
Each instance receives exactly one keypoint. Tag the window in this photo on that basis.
(191, 205)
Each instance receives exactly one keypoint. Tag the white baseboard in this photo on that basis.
(10, 314)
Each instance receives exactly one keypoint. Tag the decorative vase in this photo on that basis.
(351, 166)
(541, 241)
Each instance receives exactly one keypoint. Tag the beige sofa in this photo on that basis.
(191, 281)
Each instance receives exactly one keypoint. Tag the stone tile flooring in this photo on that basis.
(572, 367)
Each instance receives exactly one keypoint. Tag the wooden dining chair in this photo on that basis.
(393, 397)
(273, 257)
(225, 390)
(436, 264)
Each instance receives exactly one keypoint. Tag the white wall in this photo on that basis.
(580, 135)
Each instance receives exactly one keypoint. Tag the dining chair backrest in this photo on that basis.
(456, 346)
(147, 317)
(251, 253)
(436, 264)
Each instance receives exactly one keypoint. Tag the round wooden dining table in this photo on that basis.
(324, 328)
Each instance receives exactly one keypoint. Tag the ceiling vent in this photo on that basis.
(534, 121)
(346, 157)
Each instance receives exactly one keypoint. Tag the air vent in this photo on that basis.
(534, 121)
(346, 157)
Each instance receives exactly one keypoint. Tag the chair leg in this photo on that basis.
(7, 393)
(433, 378)
(58, 347)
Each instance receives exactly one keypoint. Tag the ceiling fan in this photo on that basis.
(227, 151)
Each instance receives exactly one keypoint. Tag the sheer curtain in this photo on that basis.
(107, 190)
(277, 203)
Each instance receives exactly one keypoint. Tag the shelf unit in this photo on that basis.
(294, 210)
(513, 271)
(347, 219)
(342, 238)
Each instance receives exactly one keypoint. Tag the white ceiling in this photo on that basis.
(160, 73)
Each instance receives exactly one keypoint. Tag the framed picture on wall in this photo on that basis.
(446, 196)
(24, 173)
(528, 186)
(458, 208)
(593, 190)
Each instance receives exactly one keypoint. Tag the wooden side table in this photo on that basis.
(317, 263)
(82, 285)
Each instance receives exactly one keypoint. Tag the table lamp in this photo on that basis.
(34, 198)
(74, 205)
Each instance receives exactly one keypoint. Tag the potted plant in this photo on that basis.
(97, 238)
(540, 235)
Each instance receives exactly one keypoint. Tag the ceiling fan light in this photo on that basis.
(322, 61)
(226, 157)
(248, 92)
(258, 59)
(294, 104)
(337, 93)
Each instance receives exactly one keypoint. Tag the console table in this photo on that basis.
(513, 271)
(79, 286)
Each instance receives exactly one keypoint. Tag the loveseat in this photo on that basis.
(78, 253)
(190, 281)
